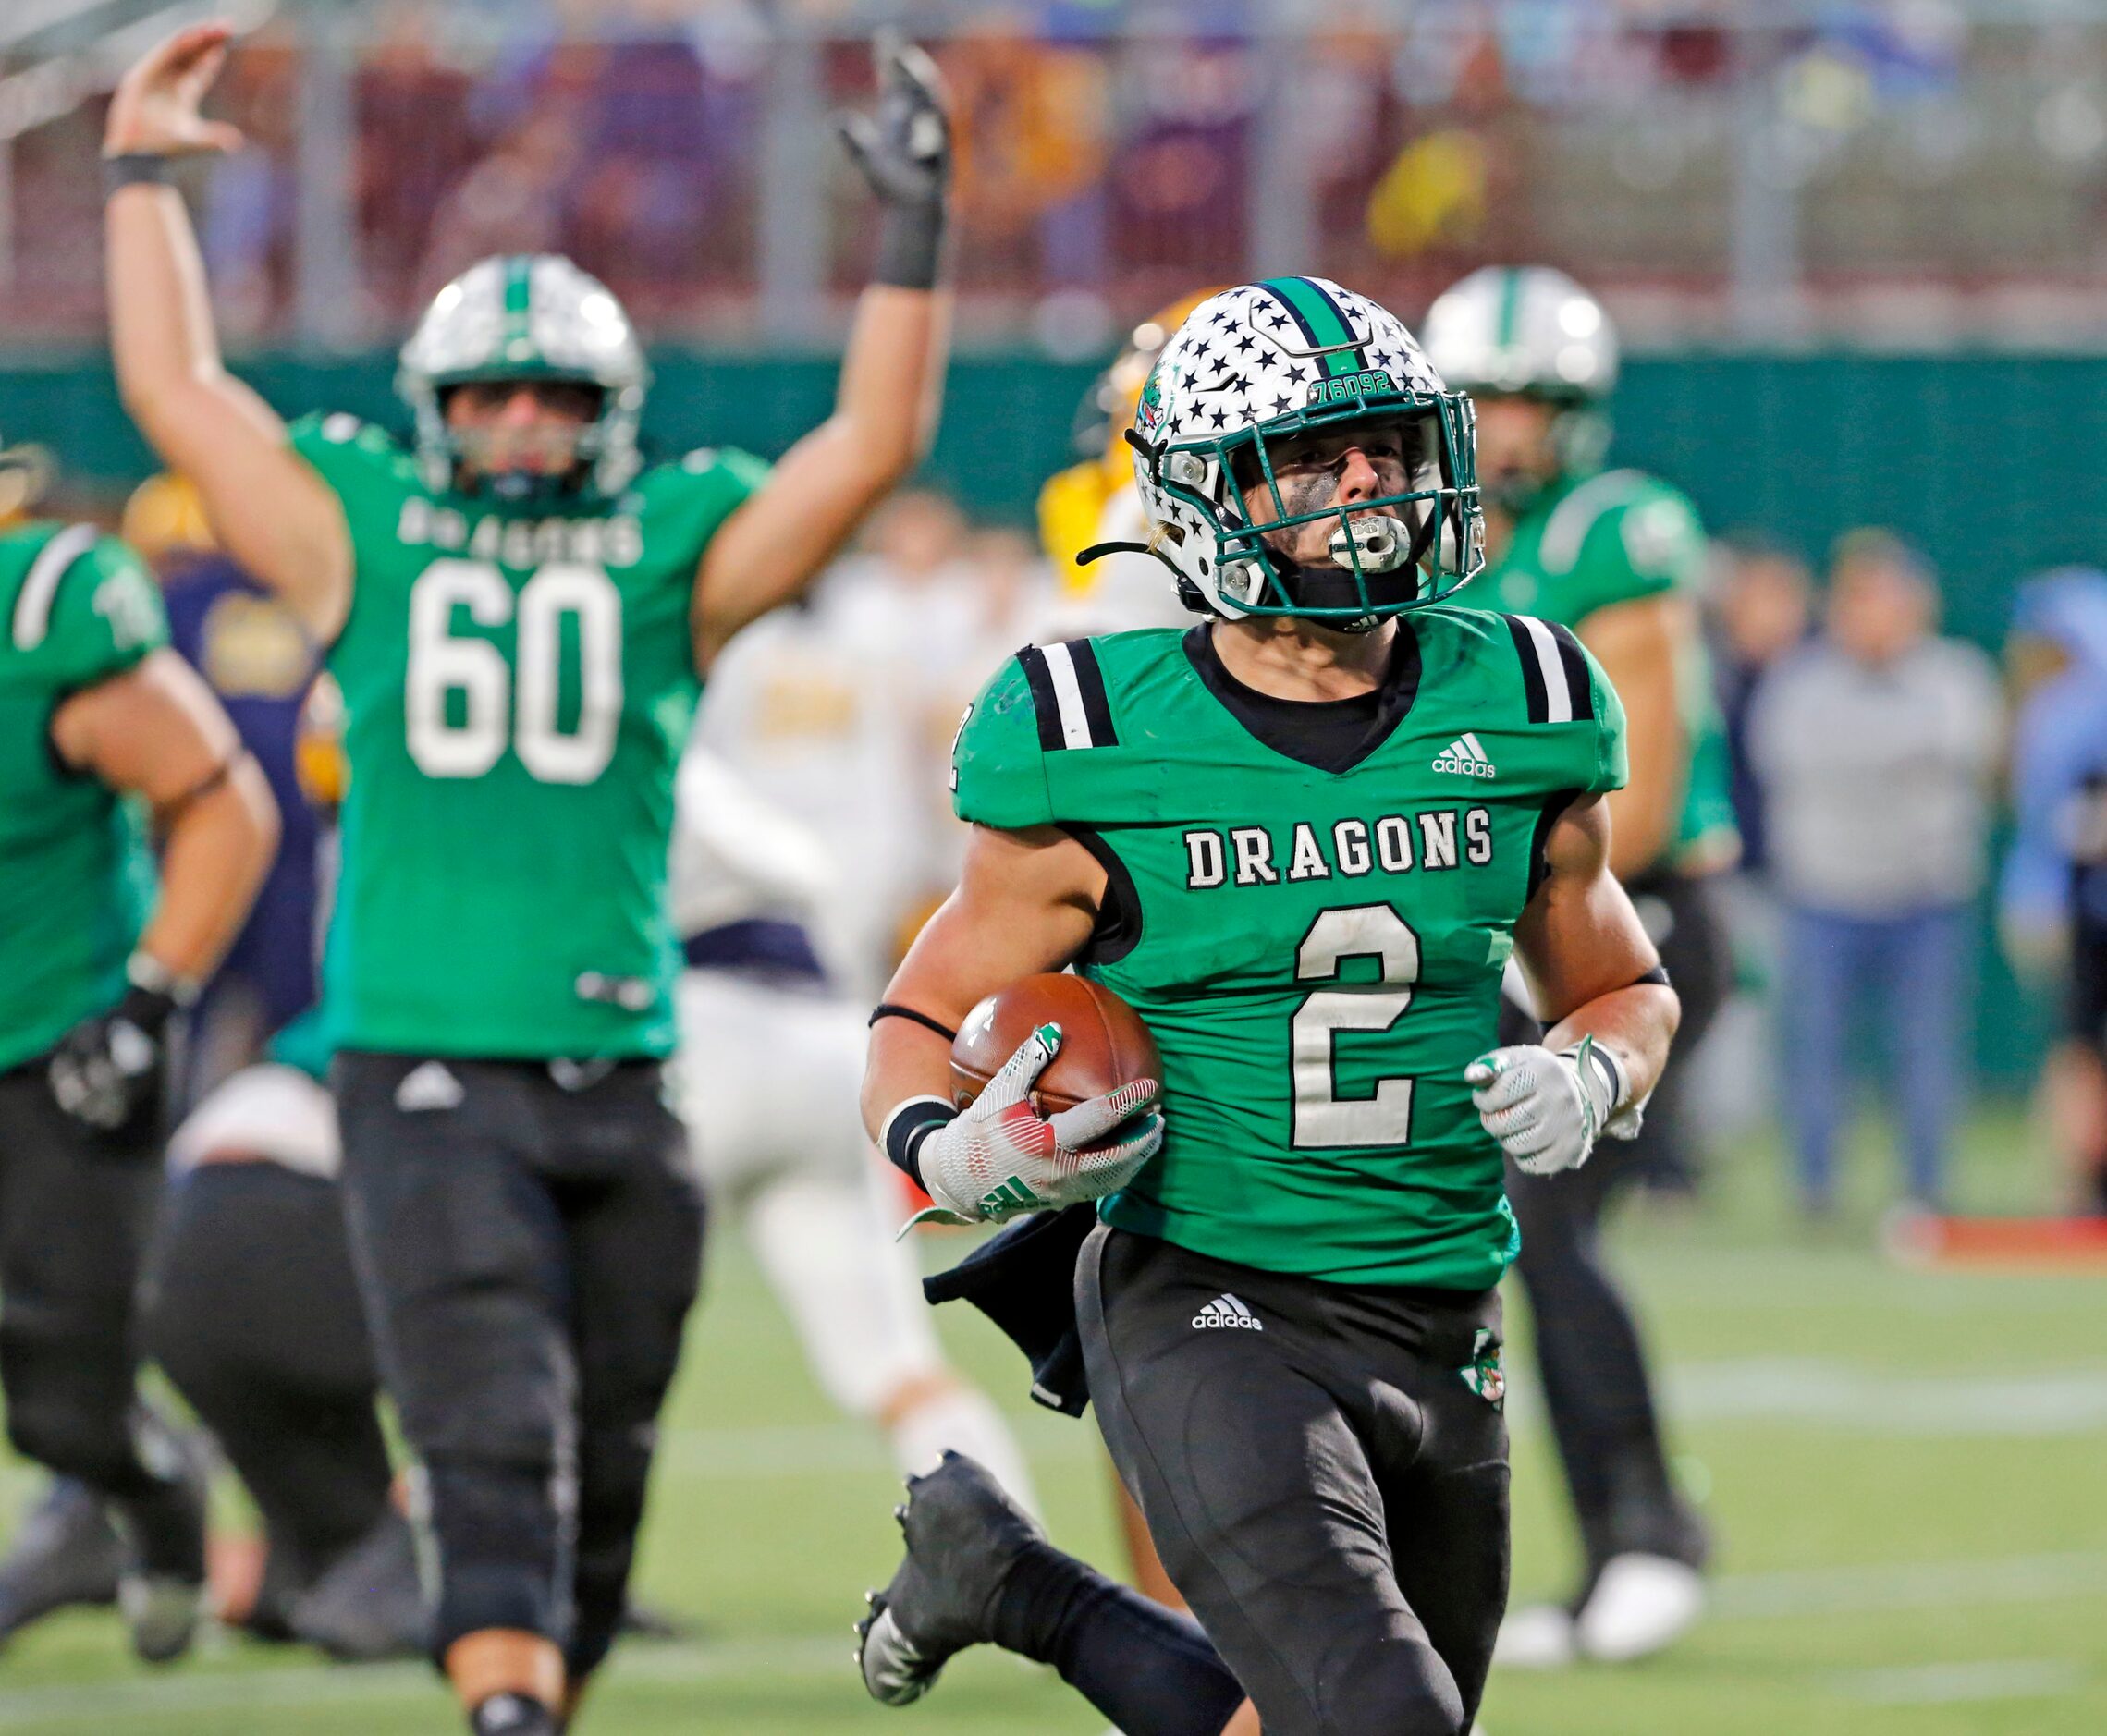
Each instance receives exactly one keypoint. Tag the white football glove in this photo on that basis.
(1548, 1107)
(999, 1158)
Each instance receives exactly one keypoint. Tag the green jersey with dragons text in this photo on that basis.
(518, 684)
(1318, 952)
(1615, 537)
(76, 880)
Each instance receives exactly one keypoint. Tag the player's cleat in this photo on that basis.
(1536, 1636)
(964, 1536)
(160, 1612)
(162, 1589)
(1641, 1604)
(66, 1552)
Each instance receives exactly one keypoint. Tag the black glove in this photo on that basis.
(904, 151)
(106, 1073)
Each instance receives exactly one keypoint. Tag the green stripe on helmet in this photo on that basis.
(1510, 308)
(519, 306)
(1322, 321)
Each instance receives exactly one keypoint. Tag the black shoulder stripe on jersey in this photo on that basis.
(1044, 705)
(1532, 675)
(1097, 704)
(1575, 661)
(1068, 694)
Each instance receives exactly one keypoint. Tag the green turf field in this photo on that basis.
(1906, 1471)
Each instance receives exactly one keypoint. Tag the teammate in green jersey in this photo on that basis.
(1301, 840)
(519, 615)
(101, 723)
(1617, 557)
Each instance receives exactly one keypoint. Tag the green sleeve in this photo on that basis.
(1646, 543)
(105, 616)
(1613, 768)
(707, 486)
(998, 772)
(363, 466)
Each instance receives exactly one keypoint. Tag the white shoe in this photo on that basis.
(1641, 1603)
(1536, 1636)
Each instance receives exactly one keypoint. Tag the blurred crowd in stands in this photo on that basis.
(1124, 150)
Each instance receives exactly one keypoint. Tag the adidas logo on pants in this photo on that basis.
(1226, 1310)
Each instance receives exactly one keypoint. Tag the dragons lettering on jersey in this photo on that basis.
(1357, 848)
(605, 540)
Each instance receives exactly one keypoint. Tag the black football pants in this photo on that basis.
(1326, 1485)
(76, 1212)
(1588, 1352)
(253, 1311)
(529, 1250)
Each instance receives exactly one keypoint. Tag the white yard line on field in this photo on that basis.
(96, 1705)
(1798, 1392)
(1876, 1590)
(1949, 1684)
(1817, 1592)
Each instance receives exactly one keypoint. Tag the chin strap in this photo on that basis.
(1097, 551)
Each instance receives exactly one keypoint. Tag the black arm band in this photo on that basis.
(907, 1127)
(892, 1010)
(136, 168)
(168, 811)
(1658, 974)
(911, 243)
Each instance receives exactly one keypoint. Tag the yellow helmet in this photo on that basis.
(166, 516)
(1072, 502)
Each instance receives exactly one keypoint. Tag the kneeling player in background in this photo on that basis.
(769, 1061)
(1255, 832)
(95, 710)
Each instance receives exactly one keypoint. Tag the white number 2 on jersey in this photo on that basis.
(441, 665)
(1361, 931)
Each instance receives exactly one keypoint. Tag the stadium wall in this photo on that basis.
(1989, 462)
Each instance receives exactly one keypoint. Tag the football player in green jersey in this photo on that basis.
(1301, 840)
(1617, 557)
(100, 723)
(519, 613)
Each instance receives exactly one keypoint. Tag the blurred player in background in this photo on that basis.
(1256, 833)
(100, 725)
(842, 709)
(2052, 897)
(519, 613)
(770, 1064)
(260, 663)
(1094, 502)
(1616, 557)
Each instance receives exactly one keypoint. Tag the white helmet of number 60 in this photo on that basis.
(1264, 361)
(521, 316)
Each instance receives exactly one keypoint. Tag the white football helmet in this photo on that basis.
(1293, 355)
(527, 317)
(1527, 331)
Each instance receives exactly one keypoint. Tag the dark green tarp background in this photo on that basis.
(1991, 463)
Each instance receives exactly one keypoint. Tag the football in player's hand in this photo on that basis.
(1104, 1043)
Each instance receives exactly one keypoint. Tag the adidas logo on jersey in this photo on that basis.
(1226, 1310)
(1464, 756)
(431, 1086)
